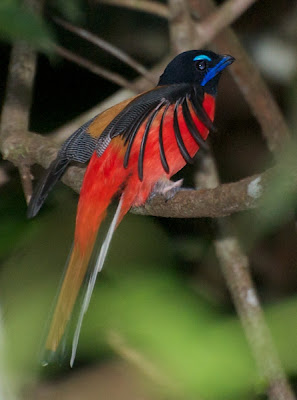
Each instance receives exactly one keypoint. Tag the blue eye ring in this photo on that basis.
(202, 57)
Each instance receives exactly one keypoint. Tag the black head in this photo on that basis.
(200, 67)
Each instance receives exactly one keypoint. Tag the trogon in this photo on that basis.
(130, 148)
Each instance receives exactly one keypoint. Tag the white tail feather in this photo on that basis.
(92, 280)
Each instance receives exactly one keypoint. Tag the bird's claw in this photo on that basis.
(166, 188)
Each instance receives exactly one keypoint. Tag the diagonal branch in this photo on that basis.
(220, 18)
(108, 47)
(96, 69)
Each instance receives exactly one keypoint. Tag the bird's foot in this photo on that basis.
(166, 188)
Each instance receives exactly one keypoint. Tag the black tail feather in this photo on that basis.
(52, 175)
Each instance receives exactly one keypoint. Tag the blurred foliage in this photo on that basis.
(139, 303)
(19, 23)
(71, 9)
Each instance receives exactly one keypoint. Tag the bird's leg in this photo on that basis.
(166, 188)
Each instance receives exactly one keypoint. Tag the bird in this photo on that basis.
(132, 150)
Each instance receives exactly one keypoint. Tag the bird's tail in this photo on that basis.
(45, 185)
(94, 200)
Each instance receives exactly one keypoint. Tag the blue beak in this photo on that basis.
(212, 72)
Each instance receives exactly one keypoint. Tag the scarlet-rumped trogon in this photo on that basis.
(131, 146)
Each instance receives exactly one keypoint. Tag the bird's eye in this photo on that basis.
(201, 65)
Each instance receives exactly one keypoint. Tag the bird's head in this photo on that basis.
(198, 67)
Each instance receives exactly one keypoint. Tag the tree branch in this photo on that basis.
(220, 18)
(17, 104)
(108, 47)
(96, 69)
(221, 201)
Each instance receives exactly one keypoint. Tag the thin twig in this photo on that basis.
(244, 72)
(96, 69)
(108, 47)
(147, 6)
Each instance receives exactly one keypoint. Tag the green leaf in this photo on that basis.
(17, 23)
(71, 9)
